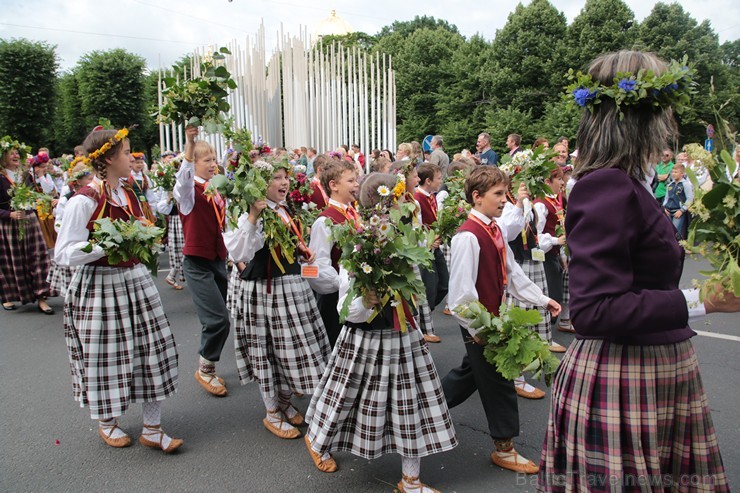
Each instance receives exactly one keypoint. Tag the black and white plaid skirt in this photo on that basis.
(175, 243)
(279, 337)
(24, 263)
(59, 277)
(380, 394)
(535, 271)
(423, 312)
(233, 292)
(120, 346)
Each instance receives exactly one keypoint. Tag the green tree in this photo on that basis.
(27, 92)
(407, 28)
(69, 125)
(560, 120)
(462, 104)
(501, 122)
(422, 65)
(112, 85)
(672, 33)
(361, 40)
(601, 27)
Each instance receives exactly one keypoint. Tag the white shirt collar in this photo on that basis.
(338, 204)
(274, 205)
(424, 192)
(199, 179)
(486, 220)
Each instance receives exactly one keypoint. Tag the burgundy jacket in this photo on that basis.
(625, 263)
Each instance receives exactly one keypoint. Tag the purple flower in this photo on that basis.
(583, 96)
(376, 251)
(358, 247)
(627, 84)
(387, 261)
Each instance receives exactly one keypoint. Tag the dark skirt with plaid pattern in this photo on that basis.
(565, 312)
(423, 312)
(121, 350)
(279, 337)
(175, 243)
(622, 416)
(24, 263)
(59, 278)
(233, 292)
(535, 271)
(380, 394)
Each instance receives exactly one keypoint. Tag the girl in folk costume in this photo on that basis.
(280, 339)
(530, 257)
(628, 404)
(80, 175)
(42, 182)
(167, 206)
(340, 180)
(143, 187)
(203, 220)
(24, 259)
(483, 269)
(411, 177)
(550, 213)
(120, 346)
(380, 393)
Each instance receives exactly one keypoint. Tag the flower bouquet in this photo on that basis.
(713, 232)
(509, 342)
(201, 100)
(22, 198)
(381, 256)
(164, 177)
(43, 206)
(126, 240)
(300, 196)
(531, 168)
(249, 185)
(454, 209)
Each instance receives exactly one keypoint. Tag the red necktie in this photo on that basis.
(352, 214)
(433, 205)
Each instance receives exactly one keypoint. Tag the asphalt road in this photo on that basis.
(47, 443)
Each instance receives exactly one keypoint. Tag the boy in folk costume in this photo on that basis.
(437, 278)
(340, 179)
(120, 346)
(279, 338)
(142, 185)
(203, 220)
(380, 392)
(320, 196)
(549, 213)
(483, 268)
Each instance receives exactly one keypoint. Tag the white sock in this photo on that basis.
(284, 402)
(107, 424)
(207, 371)
(522, 384)
(274, 414)
(153, 423)
(411, 468)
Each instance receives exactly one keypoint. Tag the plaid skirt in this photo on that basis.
(59, 277)
(447, 252)
(120, 347)
(535, 271)
(279, 337)
(565, 313)
(233, 292)
(625, 416)
(24, 264)
(423, 313)
(175, 243)
(380, 394)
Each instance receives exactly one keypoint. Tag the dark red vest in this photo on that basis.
(551, 223)
(105, 209)
(317, 197)
(489, 283)
(428, 211)
(202, 230)
(336, 217)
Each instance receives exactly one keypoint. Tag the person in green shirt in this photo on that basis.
(663, 173)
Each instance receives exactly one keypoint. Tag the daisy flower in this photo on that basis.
(366, 268)
(383, 191)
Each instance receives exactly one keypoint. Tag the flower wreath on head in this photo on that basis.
(118, 137)
(87, 171)
(672, 88)
(7, 143)
(138, 155)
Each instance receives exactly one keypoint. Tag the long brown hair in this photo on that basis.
(633, 143)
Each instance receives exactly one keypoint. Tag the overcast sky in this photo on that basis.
(163, 30)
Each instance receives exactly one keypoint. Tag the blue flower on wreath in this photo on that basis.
(627, 84)
(670, 88)
(583, 96)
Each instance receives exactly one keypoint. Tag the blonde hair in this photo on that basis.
(202, 148)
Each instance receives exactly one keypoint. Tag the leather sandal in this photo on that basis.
(567, 328)
(432, 338)
(556, 348)
(502, 459)
(173, 283)
(119, 442)
(278, 431)
(520, 387)
(328, 465)
(415, 489)
(205, 382)
(175, 443)
(297, 419)
(9, 306)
